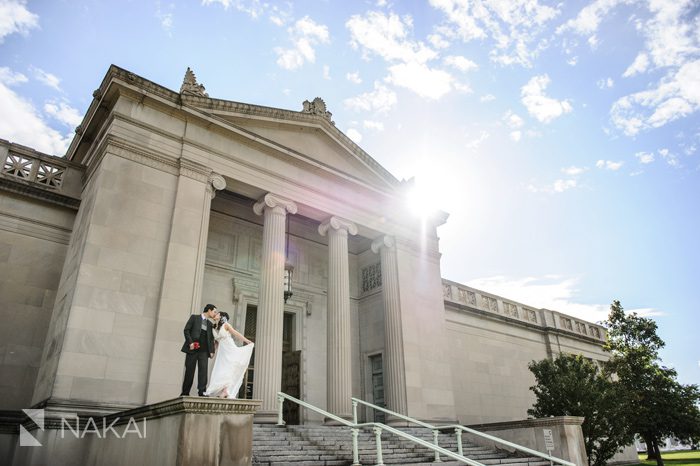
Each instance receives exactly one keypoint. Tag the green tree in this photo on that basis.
(571, 385)
(658, 405)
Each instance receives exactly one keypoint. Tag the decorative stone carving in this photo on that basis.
(216, 183)
(317, 107)
(511, 309)
(190, 85)
(489, 303)
(466, 296)
(447, 291)
(566, 323)
(97, 93)
(531, 315)
(79, 130)
(595, 331)
(371, 277)
(337, 223)
(272, 201)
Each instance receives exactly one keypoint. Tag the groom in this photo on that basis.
(198, 347)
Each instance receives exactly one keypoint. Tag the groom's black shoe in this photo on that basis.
(202, 394)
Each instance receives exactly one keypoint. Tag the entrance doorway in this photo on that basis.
(291, 363)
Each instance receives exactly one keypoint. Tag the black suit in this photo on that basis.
(197, 357)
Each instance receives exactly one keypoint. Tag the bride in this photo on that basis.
(231, 361)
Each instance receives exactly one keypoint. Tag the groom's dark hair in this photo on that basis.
(208, 308)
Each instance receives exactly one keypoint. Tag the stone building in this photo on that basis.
(169, 200)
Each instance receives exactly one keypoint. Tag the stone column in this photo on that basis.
(339, 385)
(216, 183)
(268, 342)
(394, 370)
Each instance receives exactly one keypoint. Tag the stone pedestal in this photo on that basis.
(185, 431)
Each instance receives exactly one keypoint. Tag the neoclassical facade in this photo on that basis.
(169, 200)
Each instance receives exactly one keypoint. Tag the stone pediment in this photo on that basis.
(331, 149)
(308, 133)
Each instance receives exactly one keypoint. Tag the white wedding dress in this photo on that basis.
(230, 365)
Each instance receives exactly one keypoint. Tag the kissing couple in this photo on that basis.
(204, 334)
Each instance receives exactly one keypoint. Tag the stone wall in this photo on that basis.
(39, 196)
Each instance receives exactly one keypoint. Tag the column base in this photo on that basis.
(265, 417)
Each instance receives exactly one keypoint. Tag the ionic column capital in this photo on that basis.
(337, 223)
(385, 241)
(216, 183)
(272, 201)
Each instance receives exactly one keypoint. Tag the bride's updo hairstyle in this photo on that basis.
(224, 318)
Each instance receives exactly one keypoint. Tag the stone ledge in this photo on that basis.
(526, 423)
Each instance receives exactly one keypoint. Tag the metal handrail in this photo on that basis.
(377, 427)
(458, 432)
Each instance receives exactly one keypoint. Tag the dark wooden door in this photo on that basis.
(291, 370)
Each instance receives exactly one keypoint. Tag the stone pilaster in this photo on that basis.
(339, 385)
(268, 342)
(394, 370)
(216, 183)
(182, 276)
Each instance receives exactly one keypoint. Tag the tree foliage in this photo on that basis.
(658, 405)
(571, 385)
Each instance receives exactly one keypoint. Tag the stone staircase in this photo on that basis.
(332, 446)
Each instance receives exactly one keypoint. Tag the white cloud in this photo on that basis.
(590, 17)
(487, 98)
(550, 292)
(544, 108)
(64, 113)
(512, 25)
(20, 122)
(9, 77)
(559, 186)
(676, 96)
(381, 100)
(326, 72)
(639, 65)
(355, 135)
(609, 165)
(572, 61)
(476, 143)
(254, 8)
(462, 87)
(645, 157)
(167, 20)
(48, 79)
(669, 157)
(573, 170)
(512, 119)
(386, 35)
(375, 125)
(438, 41)
(605, 83)
(15, 18)
(516, 135)
(461, 63)
(354, 77)
(421, 79)
(305, 35)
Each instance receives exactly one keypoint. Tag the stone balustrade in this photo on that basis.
(471, 297)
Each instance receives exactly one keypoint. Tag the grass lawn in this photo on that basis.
(675, 458)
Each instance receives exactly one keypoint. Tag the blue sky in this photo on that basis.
(562, 137)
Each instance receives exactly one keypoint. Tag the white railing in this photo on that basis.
(458, 432)
(377, 428)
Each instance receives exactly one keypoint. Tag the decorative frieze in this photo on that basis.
(489, 303)
(510, 309)
(581, 328)
(566, 323)
(317, 107)
(530, 315)
(595, 331)
(371, 277)
(466, 296)
(447, 291)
